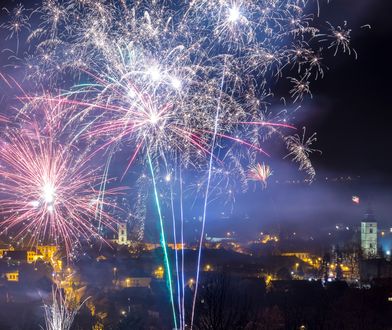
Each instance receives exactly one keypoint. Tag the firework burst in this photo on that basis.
(261, 173)
(60, 314)
(300, 148)
(48, 193)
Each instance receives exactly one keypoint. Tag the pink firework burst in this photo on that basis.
(3, 119)
(48, 194)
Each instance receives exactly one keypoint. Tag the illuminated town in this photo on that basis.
(195, 165)
(124, 283)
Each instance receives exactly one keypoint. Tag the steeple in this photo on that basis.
(369, 234)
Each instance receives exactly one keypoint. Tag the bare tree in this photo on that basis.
(223, 304)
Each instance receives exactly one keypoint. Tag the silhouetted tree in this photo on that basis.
(225, 303)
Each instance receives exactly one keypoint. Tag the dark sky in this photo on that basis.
(350, 110)
(352, 102)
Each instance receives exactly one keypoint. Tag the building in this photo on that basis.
(12, 276)
(177, 246)
(229, 238)
(122, 234)
(15, 256)
(151, 246)
(369, 236)
(304, 256)
(267, 238)
(5, 248)
(31, 257)
(135, 282)
(159, 272)
(47, 252)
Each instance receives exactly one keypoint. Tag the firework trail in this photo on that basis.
(182, 277)
(216, 123)
(60, 314)
(179, 293)
(3, 119)
(163, 240)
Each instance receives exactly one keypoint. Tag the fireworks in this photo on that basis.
(300, 88)
(261, 173)
(3, 119)
(154, 79)
(48, 193)
(60, 314)
(341, 36)
(146, 75)
(299, 148)
(182, 86)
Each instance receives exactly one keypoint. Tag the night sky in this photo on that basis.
(353, 101)
(350, 112)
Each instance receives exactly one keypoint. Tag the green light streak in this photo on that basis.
(163, 240)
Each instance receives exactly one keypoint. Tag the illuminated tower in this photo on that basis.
(122, 234)
(369, 236)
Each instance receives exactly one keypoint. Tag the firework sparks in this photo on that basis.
(60, 314)
(47, 192)
(3, 119)
(300, 88)
(341, 36)
(261, 173)
(153, 80)
(299, 148)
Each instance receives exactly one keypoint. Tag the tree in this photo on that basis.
(226, 303)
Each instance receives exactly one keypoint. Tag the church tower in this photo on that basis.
(369, 236)
(122, 234)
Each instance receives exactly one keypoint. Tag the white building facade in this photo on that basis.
(369, 239)
(122, 234)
